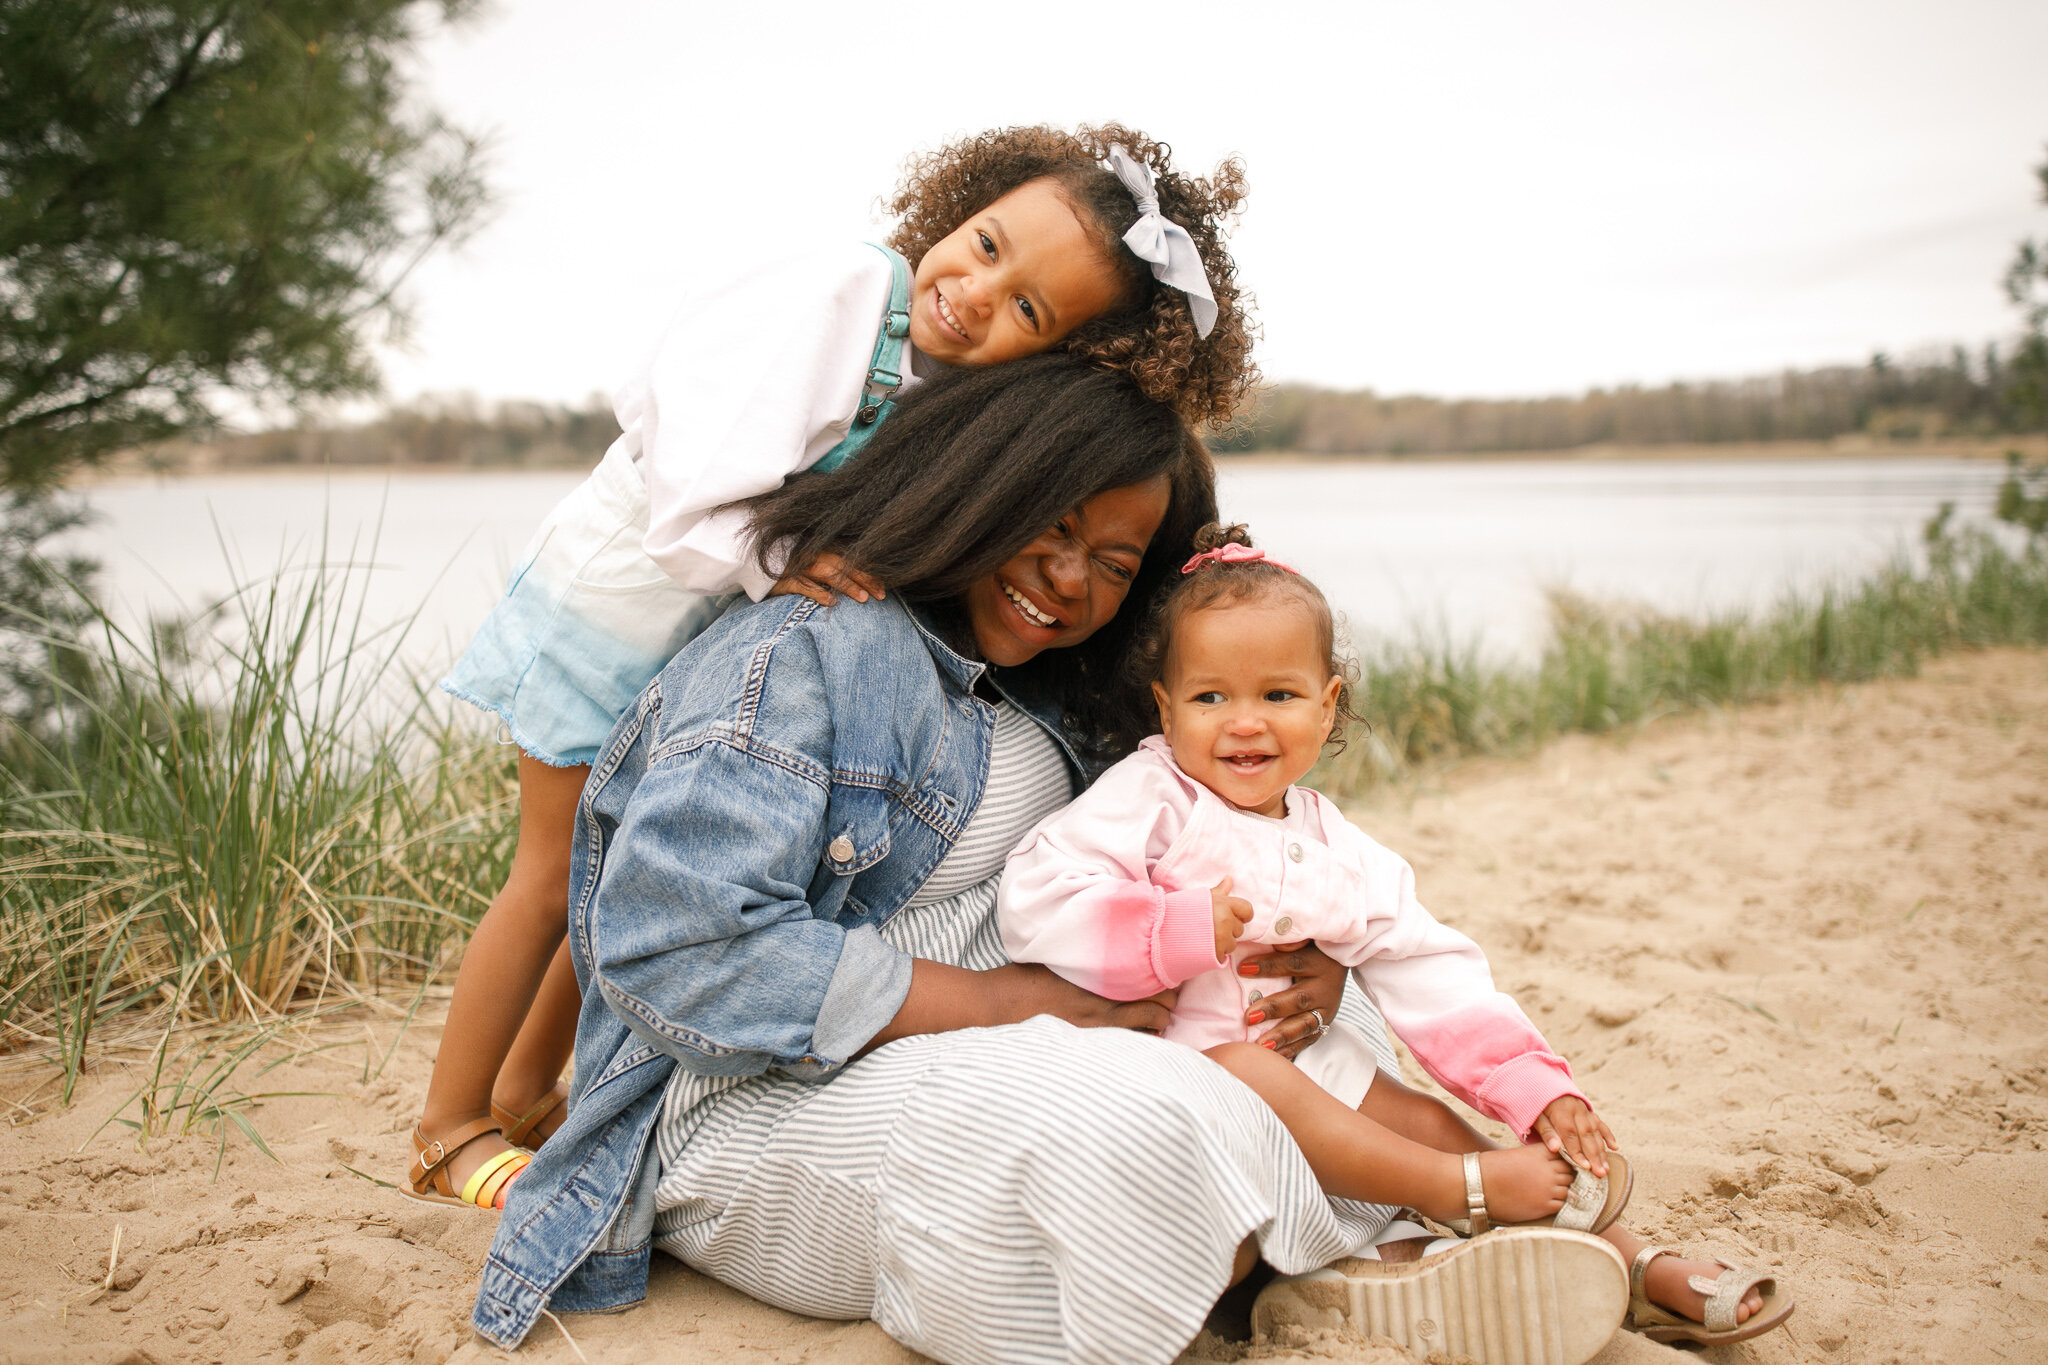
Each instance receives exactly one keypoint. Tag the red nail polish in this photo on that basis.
(1269, 1043)
(1248, 969)
(1255, 1017)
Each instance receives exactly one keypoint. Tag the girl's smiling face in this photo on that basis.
(1066, 584)
(1013, 279)
(1247, 699)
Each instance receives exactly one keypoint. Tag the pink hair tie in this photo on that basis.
(1234, 554)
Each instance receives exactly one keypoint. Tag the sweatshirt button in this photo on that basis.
(841, 849)
(1294, 852)
(1282, 925)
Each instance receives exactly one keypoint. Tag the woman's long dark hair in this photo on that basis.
(973, 466)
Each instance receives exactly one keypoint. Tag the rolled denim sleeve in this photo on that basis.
(701, 937)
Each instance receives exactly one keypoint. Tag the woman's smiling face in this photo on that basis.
(1067, 583)
(1010, 281)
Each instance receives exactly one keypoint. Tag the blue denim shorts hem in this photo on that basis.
(528, 744)
(583, 626)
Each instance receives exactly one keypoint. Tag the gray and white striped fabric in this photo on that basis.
(1027, 781)
(1036, 1192)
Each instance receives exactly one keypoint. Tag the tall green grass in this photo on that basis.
(1609, 666)
(233, 818)
(241, 819)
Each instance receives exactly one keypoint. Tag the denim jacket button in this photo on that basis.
(841, 849)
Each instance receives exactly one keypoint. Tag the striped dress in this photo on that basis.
(1036, 1192)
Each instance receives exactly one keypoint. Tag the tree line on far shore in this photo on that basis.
(450, 432)
(1961, 394)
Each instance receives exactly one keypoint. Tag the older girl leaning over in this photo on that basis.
(1009, 243)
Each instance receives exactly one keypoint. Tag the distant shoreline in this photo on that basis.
(2034, 447)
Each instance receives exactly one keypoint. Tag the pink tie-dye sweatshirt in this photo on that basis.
(1113, 893)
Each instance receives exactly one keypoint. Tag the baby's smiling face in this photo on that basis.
(1012, 280)
(1247, 699)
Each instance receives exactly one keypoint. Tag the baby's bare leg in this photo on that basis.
(1356, 1156)
(1420, 1118)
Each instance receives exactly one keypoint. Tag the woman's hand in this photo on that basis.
(1023, 990)
(1300, 1013)
(944, 997)
(826, 575)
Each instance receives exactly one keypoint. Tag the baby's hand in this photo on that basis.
(827, 574)
(1568, 1126)
(1232, 914)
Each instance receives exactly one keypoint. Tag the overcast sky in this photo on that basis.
(1453, 198)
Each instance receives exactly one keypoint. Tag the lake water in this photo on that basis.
(1460, 546)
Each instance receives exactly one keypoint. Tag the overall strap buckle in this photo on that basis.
(885, 367)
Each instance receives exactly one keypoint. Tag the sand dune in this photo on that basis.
(1798, 954)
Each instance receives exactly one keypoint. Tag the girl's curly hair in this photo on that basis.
(1152, 338)
(1221, 581)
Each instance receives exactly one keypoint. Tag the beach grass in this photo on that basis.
(250, 813)
(1608, 666)
(254, 814)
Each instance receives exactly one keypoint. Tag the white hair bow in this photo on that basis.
(1163, 243)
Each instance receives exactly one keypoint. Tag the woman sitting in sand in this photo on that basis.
(805, 1065)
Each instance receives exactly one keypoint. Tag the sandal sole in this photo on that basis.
(1774, 1313)
(1516, 1296)
(448, 1199)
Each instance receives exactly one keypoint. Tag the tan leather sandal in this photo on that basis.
(518, 1128)
(1593, 1204)
(1723, 1295)
(428, 1181)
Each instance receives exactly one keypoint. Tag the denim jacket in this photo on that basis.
(776, 794)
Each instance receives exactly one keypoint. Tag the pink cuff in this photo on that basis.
(1523, 1087)
(1185, 945)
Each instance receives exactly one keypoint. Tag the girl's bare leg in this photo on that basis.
(541, 1051)
(1357, 1157)
(507, 959)
(1428, 1120)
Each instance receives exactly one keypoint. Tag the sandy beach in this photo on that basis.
(1798, 955)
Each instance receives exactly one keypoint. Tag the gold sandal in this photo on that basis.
(1593, 1204)
(428, 1181)
(1723, 1296)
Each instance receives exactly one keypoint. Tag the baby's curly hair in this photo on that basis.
(1152, 337)
(1220, 581)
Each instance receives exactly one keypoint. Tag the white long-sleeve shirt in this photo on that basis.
(757, 378)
